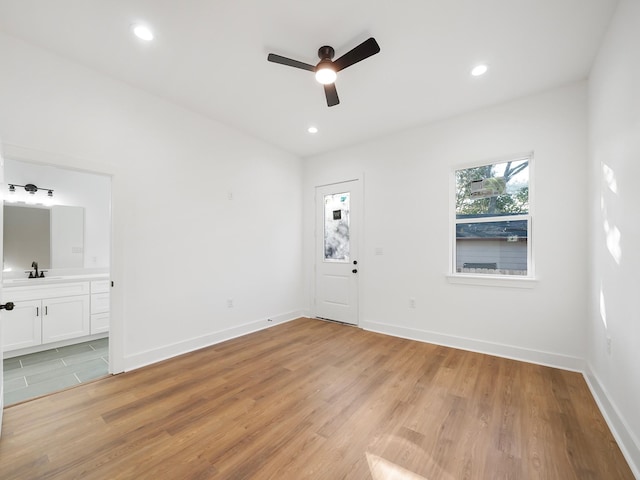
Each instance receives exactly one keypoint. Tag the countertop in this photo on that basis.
(53, 279)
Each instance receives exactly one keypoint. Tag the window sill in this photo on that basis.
(492, 280)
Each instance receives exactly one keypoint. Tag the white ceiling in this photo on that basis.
(210, 56)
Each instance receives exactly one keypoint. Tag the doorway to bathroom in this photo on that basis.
(56, 273)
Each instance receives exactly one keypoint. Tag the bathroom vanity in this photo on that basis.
(54, 311)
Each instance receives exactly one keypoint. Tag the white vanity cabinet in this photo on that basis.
(100, 306)
(46, 313)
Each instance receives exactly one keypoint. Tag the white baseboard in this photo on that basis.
(538, 357)
(165, 352)
(627, 441)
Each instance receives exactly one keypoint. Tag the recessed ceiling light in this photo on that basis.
(479, 70)
(142, 32)
(312, 129)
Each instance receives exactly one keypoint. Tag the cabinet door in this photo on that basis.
(23, 328)
(65, 317)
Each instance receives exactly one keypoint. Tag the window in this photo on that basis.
(492, 219)
(336, 227)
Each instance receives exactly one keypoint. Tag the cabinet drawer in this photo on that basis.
(99, 303)
(17, 294)
(100, 286)
(99, 323)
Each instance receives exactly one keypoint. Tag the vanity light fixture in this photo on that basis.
(30, 188)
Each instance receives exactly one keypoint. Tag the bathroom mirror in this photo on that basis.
(53, 237)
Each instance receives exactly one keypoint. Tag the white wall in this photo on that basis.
(407, 194)
(614, 130)
(73, 188)
(181, 247)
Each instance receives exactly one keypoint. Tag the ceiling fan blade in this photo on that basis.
(332, 94)
(364, 50)
(272, 57)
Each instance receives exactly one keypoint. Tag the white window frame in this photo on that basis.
(518, 281)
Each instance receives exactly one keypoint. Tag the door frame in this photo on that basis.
(2, 184)
(359, 241)
(116, 320)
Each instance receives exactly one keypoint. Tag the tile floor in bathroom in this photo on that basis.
(36, 374)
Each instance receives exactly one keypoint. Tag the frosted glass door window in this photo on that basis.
(336, 227)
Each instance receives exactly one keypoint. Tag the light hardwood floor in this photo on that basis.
(311, 399)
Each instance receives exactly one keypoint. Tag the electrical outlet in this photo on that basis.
(230, 303)
(609, 345)
(412, 302)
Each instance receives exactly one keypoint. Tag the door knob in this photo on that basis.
(7, 306)
(355, 270)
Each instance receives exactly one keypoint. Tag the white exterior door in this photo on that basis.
(338, 219)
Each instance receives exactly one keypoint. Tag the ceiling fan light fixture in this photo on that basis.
(326, 73)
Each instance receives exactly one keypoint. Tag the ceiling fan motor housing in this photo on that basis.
(326, 52)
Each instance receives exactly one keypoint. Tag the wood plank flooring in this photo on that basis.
(316, 400)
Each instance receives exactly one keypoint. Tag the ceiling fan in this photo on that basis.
(326, 70)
